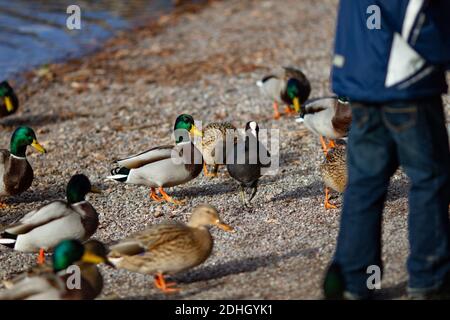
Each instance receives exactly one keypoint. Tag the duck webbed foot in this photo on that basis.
(41, 256)
(212, 174)
(331, 144)
(169, 198)
(328, 205)
(154, 196)
(162, 285)
(289, 111)
(324, 146)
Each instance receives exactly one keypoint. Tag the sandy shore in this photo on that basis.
(205, 62)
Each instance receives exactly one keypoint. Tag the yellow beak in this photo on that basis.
(225, 227)
(95, 190)
(92, 258)
(38, 147)
(196, 132)
(297, 105)
(9, 105)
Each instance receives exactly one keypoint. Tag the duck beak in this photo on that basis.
(195, 131)
(38, 147)
(9, 104)
(297, 105)
(95, 190)
(89, 257)
(224, 226)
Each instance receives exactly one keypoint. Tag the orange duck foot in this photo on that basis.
(162, 285)
(41, 256)
(169, 198)
(154, 196)
(328, 205)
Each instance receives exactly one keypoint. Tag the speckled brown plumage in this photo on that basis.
(334, 169)
(170, 247)
(164, 248)
(214, 140)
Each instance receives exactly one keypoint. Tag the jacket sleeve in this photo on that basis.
(425, 26)
(431, 32)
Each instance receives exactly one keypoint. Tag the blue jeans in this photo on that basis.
(413, 135)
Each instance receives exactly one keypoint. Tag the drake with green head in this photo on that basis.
(16, 174)
(9, 103)
(49, 282)
(290, 86)
(42, 229)
(164, 166)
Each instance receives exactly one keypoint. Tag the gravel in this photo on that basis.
(205, 62)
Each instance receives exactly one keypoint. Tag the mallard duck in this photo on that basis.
(164, 166)
(291, 87)
(9, 103)
(54, 282)
(16, 174)
(334, 172)
(170, 247)
(213, 146)
(42, 229)
(245, 162)
(328, 117)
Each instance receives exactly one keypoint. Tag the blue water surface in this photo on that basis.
(34, 32)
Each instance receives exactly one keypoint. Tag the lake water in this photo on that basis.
(34, 32)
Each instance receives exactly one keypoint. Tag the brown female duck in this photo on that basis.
(170, 247)
(213, 146)
(334, 172)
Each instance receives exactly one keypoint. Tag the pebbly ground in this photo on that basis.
(204, 61)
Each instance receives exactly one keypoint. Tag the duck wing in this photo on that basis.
(36, 218)
(46, 286)
(319, 104)
(150, 239)
(146, 157)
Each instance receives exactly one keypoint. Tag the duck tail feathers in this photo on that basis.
(119, 174)
(7, 239)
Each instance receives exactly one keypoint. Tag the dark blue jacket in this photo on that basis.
(400, 56)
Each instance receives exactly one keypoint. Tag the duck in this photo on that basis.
(164, 166)
(290, 86)
(56, 281)
(42, 229)
(213, 145)
(170, 247)
(334, 171)
(9, 103)
(245, 163)
(16, 173)
(327, 117)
